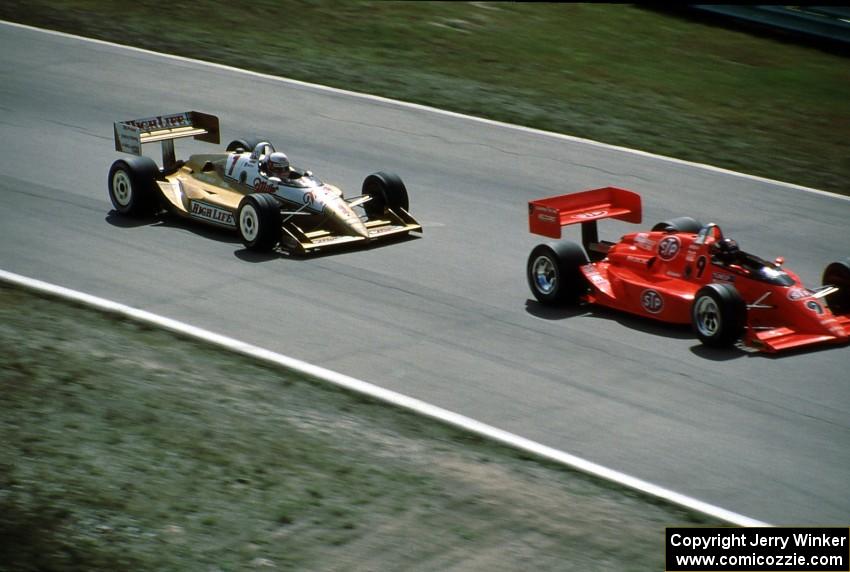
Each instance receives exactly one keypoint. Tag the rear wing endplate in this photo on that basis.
(547, 216)
(130, 135)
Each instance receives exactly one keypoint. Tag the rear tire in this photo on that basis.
(554, 273)
(132, 186)
(259, 222)
(246, 144)
(838, 274)
(387, 191)
(679, 224)
(718, 315)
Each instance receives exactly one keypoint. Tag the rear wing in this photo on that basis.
(130, 135)
(547, 216)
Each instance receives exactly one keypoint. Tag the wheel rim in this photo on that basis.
(545, 274)
(707, 316)
(248, 223)
(122, 188)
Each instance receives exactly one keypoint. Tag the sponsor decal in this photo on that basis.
(323, 239)
(837, 330)
(593, 274)
(590, 214)
(692, 252)
(722, 277)
(383, 230)
(651, 301)
(309, 198)
(669, 248)
(128, 138)
(643, 241)
(674, 274)
(795, 294)
(161, 122)
(544, 214)
(637, 259)
(261, 186)
(212, 213)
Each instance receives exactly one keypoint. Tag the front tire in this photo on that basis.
(838, 274)
(132, 186)
(718, 315)
(554, 273)
(679, 224)
(387, 191)
(246, 144)
(259, 222)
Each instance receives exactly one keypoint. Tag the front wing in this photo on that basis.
(393, 223)
(785, 338)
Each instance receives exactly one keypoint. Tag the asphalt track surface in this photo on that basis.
(448, 317)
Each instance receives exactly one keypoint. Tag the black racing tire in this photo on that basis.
(132, 186)
(679, 224)
(838, 274)
(718, 315)
(554, 274)
(387, 191)
(246, 144)
(259, 222)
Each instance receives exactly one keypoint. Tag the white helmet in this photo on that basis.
(277, 164)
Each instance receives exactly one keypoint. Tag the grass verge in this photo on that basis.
(128, 448)
(619, 74)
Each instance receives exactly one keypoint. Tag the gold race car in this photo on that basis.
(250, 188)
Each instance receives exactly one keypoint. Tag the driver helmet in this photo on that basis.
(725, 249)
(277, 164)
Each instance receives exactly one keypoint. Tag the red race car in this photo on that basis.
(682, 272)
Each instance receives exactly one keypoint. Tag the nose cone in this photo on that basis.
(360, 229)
(346, 219)
(804, 320)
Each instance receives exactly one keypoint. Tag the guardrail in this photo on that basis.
(824, 25)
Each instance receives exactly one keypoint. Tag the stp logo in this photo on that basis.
(669, 248)
(591, 214)
(651, 301)
(795, 294)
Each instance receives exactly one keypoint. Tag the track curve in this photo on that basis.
(447, 318)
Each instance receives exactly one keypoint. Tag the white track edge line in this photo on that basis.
(439, 111)
(388, 396)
